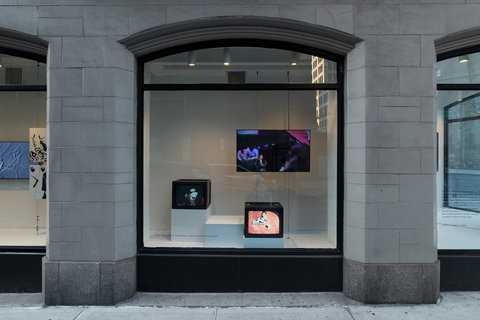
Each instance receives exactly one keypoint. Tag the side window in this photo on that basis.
(458, 177)
(22, 152)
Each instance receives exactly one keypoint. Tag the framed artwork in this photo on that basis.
(38, 182)
(38, 145)
(14, 160)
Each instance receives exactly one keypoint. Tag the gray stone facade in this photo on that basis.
(389, 208)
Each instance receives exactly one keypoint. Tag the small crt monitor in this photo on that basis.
(263, 220)
(191, 194)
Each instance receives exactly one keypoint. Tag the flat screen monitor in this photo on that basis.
(273, 150)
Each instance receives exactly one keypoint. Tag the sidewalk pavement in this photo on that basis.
(238, 306)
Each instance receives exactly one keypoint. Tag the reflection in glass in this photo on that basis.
(252, 65)
(21, 71)
(462, 69)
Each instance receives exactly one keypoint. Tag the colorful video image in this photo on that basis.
(273, 150)
(263, 222)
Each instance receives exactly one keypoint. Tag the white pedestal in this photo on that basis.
(188, 225)
(263, 243)
(224, 231)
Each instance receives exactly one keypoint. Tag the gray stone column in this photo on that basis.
(389, 232)
(91, 243)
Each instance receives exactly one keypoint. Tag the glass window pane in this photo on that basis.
(458, 177)
(22, 219)
(240, 65)
(21, 71)
(462, 69)
(194, 135)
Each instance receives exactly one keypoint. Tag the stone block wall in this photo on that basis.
(389, 205)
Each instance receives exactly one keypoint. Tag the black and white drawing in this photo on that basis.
(38, 145)
(38, 182)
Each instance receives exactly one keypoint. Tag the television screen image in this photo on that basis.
(273, 150)
(191, 194)
(14, 160)
(263, 220)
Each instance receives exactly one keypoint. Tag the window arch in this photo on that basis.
(235, 33)
(163, 51)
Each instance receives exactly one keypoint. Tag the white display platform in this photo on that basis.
(263, 243)
(188, 225)
(224, 231)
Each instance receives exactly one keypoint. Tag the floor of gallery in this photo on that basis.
(23, 237)
(161, 238)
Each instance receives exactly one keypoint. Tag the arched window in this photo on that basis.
(458, 176)
(240, 147)
(22, 149)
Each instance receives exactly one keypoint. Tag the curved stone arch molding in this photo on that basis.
(240, 27)
(23, 42)
(458, 43)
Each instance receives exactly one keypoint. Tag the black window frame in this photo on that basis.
(142, 87)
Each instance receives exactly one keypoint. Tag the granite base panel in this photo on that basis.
(88, 283)
(392, 283)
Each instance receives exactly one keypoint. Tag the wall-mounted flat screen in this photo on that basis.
(273, 150)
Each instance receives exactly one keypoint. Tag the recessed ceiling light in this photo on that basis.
(227, 58)
(463, 59)
(191, 59)
(294, 58)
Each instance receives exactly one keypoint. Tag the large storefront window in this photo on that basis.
(240, 150)
(22, 152)
(458, 177)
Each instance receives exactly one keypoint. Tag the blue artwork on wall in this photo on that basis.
(14, 160)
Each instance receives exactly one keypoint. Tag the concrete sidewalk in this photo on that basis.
(251, 306)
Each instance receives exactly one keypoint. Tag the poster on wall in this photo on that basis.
(38, 145)
(38, 182)
(14, 160)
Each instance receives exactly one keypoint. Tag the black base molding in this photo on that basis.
(21, 272)
(242, 273)
(459, 272)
